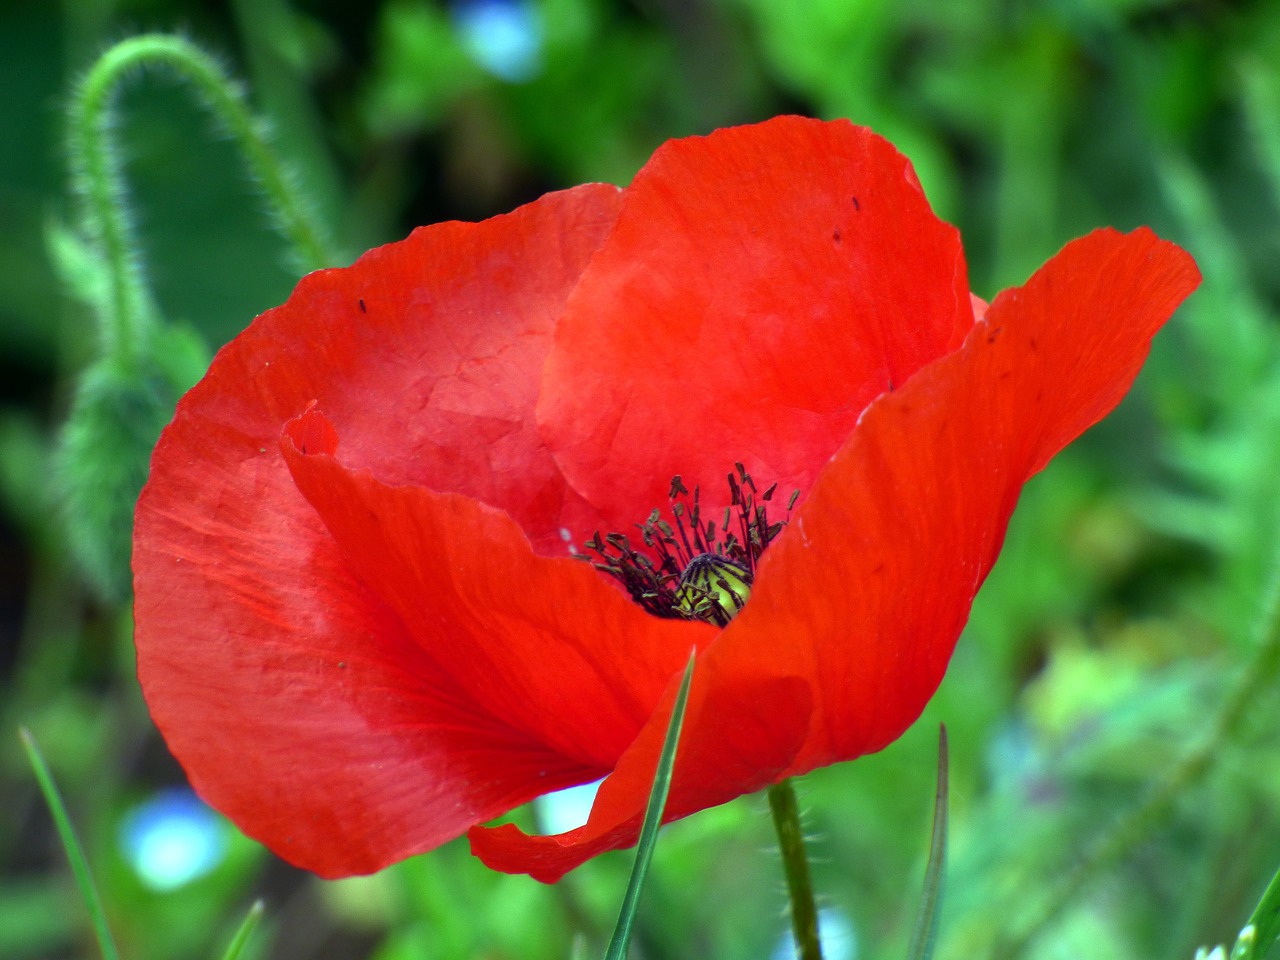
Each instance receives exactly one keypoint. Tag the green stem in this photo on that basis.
(96, 167)
(1133, 826)
(795, 864)
(96, 178)
(71, 845)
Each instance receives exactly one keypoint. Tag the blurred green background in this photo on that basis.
(1131, 594)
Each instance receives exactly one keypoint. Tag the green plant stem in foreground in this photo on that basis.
(925, 934)
(795, 864)
(71, 844)
(245, 931)
(1134, 825)
(96, 171)
(621, 939)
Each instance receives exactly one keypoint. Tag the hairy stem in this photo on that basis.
(795, 864)
(97, 175)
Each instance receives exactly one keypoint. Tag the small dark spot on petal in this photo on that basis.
(856, 205)
(362, 308)
(993, 333)
(1034, 344)
(835, 234)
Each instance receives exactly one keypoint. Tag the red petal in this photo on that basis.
(546, 646)
(858, 605)
(740, 734)
(762, 285)
(868, 589)
(295, 698)
(427, 354)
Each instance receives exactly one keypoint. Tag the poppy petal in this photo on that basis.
(740, 734)
(760, 287)
(866, 592)
(548, 646)
(294, 697)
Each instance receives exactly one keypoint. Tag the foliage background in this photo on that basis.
(1130, 593)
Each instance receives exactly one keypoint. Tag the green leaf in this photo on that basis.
(621, 938)
(925, 935)
(77, 264)
(246, 930)
(71, 844)
(1263, 927)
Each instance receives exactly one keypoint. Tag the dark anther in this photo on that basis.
(693, 569)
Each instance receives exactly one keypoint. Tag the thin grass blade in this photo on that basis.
(1263, 927)
(925, 935)
(245, 932)
(71, 844)
(621, 938)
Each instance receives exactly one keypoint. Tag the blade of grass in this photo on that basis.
(246, 930)
(71, 844)
(621, 938)
(925, 934)
(1263, 927)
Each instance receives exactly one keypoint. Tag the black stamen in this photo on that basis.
(693, 569)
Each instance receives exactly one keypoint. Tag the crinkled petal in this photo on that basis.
(296, 698)
(859, 603)
(547, 646)
(741, 732)
(760, 287)
(866, 592)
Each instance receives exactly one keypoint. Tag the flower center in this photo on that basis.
(692, 569)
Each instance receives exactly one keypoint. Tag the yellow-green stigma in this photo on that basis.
(692, 569)
(712, 588)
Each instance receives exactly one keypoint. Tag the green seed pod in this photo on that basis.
(712, 588)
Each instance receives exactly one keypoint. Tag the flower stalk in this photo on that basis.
(97, 177)
(795, 864)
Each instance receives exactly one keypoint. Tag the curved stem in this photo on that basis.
(96, 177)
(96, 166)
(795, 864)
(1134, 825)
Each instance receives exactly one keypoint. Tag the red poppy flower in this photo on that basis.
(359, 625)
